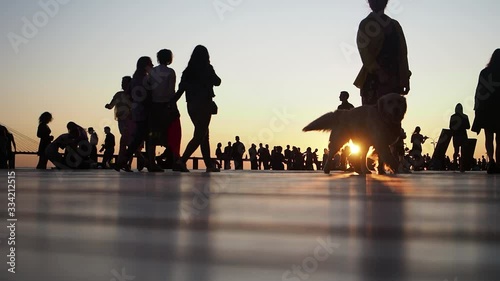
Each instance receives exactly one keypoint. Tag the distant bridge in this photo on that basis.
(24, 144)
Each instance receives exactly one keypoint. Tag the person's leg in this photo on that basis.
(200, 120)
(489, 144)
(174, 137)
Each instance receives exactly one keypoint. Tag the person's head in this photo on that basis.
(91, 130)
(344, 96)
(164, 57)
(45, 118)
(254, 145)
(229, 143)
(417, 130)
(260, 144)
(237, 138)
(495, 60)
(219, 145)
(459, 108)
(144, 66)
(199, 57)
(287, 146)
(71, 126)
(107, 130)
(378, 5)
(126, 82)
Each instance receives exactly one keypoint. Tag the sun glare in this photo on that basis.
(354, 148)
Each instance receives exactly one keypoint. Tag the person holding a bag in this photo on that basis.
(198, 80)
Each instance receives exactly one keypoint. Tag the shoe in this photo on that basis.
(155, 169)
(213, 170)
(122, 166)
(180, 166)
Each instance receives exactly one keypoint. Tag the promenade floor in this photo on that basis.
(239, 226)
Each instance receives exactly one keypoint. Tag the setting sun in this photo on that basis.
(354, 148)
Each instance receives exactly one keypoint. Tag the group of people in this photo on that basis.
(147, 113)
(80, 150)
(263, 158)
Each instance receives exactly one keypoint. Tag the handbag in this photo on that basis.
(213, 108)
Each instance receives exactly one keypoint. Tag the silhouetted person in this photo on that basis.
(227, 156)
(140, 94)
(94, 140)
(264, 156)
(459, 124)
(254, 163)
(108, 147)
(69, 143)
(3, 147)
(316, 160)
(198, 81)
(288, 157)
(298, 162)
(164, 119)
(345, 105)
(308, 155)
(44, 133)
(417, 140)
(382, 46)
(487, 110)
(219, 155)
(11, 150)
(121, 103)
(277, 159)
(238, 151)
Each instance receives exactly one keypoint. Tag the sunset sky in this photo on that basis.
(282, 63)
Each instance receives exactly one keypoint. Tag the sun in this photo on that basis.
(354, 148)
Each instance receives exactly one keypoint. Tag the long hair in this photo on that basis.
(495, 60)
(142, 63)
(198, 63)
(45, 118)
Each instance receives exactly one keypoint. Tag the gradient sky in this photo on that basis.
(282, 63)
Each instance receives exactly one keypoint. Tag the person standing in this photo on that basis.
(108, 147)
(383, 50)
(140, 93)
(344, 98)
(238, 151)
(227, 156)
(254, 164)
(487, 110)
(219, 155)
(94, 140)
(11, 150)
(198, 81)
(459, 124)
(121, 104)
(165, 125)
(43, 132)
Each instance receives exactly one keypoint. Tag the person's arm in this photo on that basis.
(370, 45)
(180, 90)
(216, 81)
(113, 101)
(172, 80)
(404, 68)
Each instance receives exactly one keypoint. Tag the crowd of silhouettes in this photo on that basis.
(147, 115)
